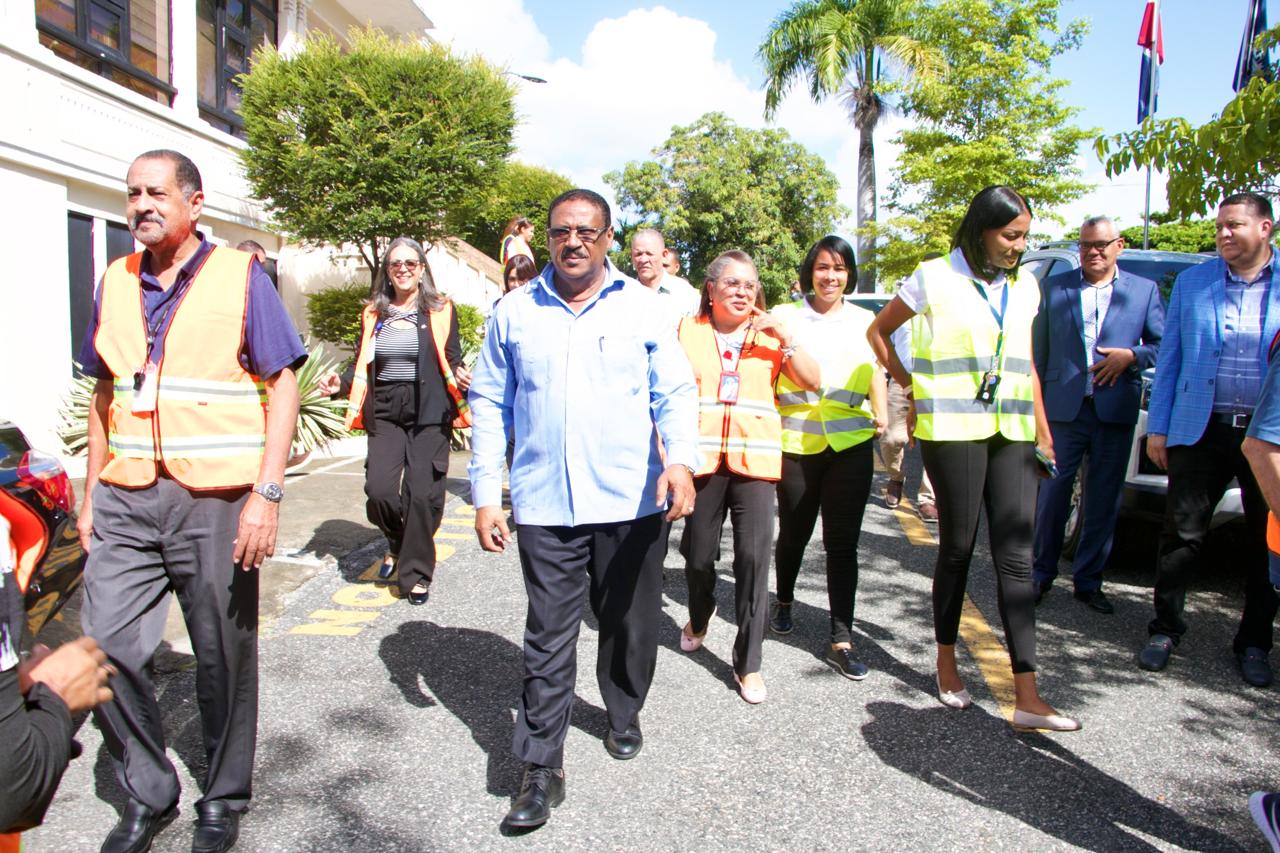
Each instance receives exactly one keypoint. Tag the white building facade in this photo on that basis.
(87, 85)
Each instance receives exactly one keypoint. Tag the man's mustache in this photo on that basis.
(137, 221)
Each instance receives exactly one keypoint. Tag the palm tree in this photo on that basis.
(840, 46)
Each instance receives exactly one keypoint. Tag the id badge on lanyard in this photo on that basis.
(729, 382)
(145, 383)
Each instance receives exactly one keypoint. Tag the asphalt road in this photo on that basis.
(386, 727)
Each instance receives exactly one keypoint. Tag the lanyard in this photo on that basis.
(161, 327)
(717, 338)
(1004, 307)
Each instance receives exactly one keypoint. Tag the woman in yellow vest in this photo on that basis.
(977, 411)
(737, 351)
(515, 240)
(827, 456)
(404, 394)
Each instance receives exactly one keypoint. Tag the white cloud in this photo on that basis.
(640, 74)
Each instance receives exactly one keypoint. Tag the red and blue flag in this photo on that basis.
(1151, 40)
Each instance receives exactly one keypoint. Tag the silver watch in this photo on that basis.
(270, 491)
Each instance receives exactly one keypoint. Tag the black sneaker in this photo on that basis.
(781, 623)
(847, 664)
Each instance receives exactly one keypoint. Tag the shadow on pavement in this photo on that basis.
(1029, 777)
(444, 659)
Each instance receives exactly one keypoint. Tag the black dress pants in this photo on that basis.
(622, 564)
(750, 504)
(999, 475)
(147, 542)
(1198, 476)
(837, 484)
(405, 481)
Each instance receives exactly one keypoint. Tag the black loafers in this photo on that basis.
(624, 745)
(387, 569)
(1255, 669)
(137, 828)
(1041, 589)
(417, 597)
(1095, 599)
(217, 828)
(1155, 655)
(541, 790)
(781, 622)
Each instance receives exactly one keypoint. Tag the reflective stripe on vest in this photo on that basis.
(441, 321)
(209, 426)
(839, 417)
(746, 435)
(957, 345)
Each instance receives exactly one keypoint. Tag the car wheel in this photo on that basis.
(1071, 530)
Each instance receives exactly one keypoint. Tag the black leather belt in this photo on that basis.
(1238, 420)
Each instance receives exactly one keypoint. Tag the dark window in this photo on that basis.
(228, 32)
(119, 241)
(1059, 266)
(1036, 268)
(126, 41)
(80, 280)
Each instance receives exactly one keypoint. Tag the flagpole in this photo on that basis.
(1151, 113)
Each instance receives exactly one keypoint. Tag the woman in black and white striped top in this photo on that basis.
(408, 415)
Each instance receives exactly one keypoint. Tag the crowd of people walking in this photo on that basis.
(620, 405)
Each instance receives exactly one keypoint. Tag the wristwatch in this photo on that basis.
(270, 491)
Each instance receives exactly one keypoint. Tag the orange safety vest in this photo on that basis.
(441, 320)
(747, 434)
(209, 426)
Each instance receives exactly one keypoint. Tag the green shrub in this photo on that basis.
(470, 330)
(334, 314)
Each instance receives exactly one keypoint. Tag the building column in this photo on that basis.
(182, 24)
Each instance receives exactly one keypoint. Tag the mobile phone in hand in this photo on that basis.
(1047, 465)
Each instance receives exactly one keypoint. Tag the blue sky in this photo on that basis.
(621, 73)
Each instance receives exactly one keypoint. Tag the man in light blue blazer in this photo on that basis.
(1222, 318)
(1097, 330)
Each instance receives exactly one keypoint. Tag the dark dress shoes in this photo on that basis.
(1041, 589)
(387, 569)
(1155, 655)
(419, 594)
(1095, 599)
(137, 827)
(541, 790)
(1255, 669)
(624, 745)
(217, 828)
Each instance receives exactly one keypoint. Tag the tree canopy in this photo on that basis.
(358, 145)
(517, 190)
(1235, 151)
(994, 117)
(851, 48)
(1169, 235)
(714, 186)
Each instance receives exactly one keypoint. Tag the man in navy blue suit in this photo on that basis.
(1223, 316)
(1097, 330)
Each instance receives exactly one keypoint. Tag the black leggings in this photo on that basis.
(837, 484)
(967, 476)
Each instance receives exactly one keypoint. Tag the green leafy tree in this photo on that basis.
(994, 117)
(714, 186)
(1183, 235)
(360, 144)
(333, 314)
(851, 48)
(517, 190)
(1234, 152)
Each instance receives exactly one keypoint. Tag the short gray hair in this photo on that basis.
(648, 232)
(1094, 221)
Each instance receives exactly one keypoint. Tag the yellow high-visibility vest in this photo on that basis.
(956, 345)
(837, 416)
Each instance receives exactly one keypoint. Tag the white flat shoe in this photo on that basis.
(1048, 722)
(751, 695)
(957, 699)
(690, 642)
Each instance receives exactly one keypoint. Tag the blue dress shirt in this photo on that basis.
(1244, 315)
(583, 392)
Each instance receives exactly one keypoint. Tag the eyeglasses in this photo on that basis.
(741, 285)
(1099, 245)
(586, 235)
(407, 266)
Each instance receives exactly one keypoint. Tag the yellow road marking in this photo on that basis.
(975, 632)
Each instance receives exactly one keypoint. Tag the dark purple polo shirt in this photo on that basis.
(271, 342)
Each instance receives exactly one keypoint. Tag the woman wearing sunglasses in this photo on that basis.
(406, 390)
(737, 351)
